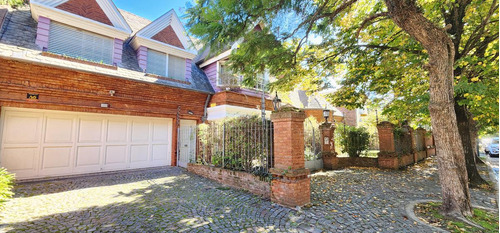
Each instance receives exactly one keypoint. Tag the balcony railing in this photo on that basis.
(229, 80)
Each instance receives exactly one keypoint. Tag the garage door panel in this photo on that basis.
(139, 153)
(22, 129)
(88, 156)
(44, 143)
(160, 152)
(57, 157)
(59, 130)
(160, 131)
(19, 159)
(90, 130)
(140, 131)
(117, 131)
(115, 155)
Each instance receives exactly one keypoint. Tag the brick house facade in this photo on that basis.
(66, 114)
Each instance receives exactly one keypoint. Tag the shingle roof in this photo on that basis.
(135, 22)
(17, 41)
(300, 99)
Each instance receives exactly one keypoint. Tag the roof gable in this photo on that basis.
(88, 9)
(168, 36)
(103, 12)
(167, 29)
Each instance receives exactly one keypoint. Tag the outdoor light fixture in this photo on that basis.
(190, 112)
(326, 114)
(276, 102)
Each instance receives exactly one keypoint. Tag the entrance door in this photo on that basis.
(187, 143)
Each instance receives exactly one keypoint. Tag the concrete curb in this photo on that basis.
(411, 214)
(492, 175)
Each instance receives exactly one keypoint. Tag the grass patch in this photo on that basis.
(429, 213)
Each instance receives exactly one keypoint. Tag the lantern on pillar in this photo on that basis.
(276, 102)
(326, 114)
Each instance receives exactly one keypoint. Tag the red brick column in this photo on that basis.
(387, 157)
(330, 160)
(421, 154)
(429, 144)
(413, 151)
(291, 183)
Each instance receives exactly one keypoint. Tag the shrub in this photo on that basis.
(240, 143)
(312, 139)
(6, 183)
(354, 140)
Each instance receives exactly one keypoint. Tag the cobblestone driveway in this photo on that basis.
(351, 200)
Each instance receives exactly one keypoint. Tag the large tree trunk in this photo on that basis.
(451, 159)
(468, 143)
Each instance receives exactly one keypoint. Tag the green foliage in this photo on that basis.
(6, 184)
(240, 144)
(354, 141)
(430, 212)
(312, 139)
(402, 140)
(307, 44)
(12, 3)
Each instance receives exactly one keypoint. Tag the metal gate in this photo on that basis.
(187, 143)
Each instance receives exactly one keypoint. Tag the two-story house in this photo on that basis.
(85, 89)
(232, 98)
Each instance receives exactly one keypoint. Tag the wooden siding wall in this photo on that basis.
(42, 32)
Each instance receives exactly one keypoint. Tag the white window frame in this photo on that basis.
(166, 64)
(80, 52)
(167, 60)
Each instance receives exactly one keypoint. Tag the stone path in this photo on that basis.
(172, 200)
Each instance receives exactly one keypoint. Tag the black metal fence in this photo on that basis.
(402, 141)
(242, 144)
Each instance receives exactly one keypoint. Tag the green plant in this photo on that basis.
(354, 141)
(312, 139)
(402, 140)
(6, 183)
(244, 141)
(12, 3)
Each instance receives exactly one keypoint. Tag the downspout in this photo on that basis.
(205, 112)
(177, 123)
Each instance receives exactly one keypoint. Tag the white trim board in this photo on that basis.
(143, 36)
(120, 28)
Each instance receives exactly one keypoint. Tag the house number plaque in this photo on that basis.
(326, 140)
(32, 97)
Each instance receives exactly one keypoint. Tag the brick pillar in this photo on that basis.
(421, 138)
(291, 185)
(413, 151)
(330, 160)
(429, 144)
(387, 157)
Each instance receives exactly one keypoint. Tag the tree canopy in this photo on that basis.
(309, 44)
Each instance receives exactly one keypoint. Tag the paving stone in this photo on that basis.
(172, 200)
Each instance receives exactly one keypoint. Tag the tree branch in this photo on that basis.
(371, 46)
(369, 19)
(479, 31)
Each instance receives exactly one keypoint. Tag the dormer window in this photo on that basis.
(166, 65)
(70, 41)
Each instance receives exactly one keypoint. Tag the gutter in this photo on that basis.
(205, 113)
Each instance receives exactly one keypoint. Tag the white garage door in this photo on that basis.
(42, 143)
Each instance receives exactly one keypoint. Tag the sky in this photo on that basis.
(152, 9)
